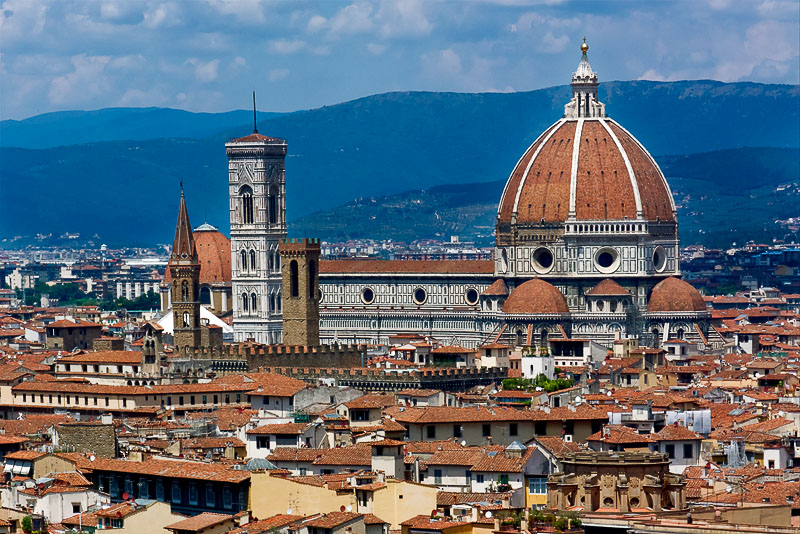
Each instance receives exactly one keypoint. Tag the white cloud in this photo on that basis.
(205, 71)
(162, 16)
(550, 44)
(129, 62)
(86, 81)
(445, 62)
(355, 18)
(403, 18)
(249, 11)
(765, 42)
(276, 75)
(21, 20)
(376, 49)
(286, 46)
(317, 23)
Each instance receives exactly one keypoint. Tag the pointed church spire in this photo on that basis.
(183, 246)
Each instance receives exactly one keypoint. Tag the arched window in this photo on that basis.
(279, 302)
(244, 302)
(680, 333)
(271, 260)
(254, 302)
(253, 260)
(272, 302)
(243, 260)
(273, 205)
(205, 295)
(187, 322)
(544, 337)
(312, 276)
(184, 291)
(293, 278)
(247, 204)
(520, 338)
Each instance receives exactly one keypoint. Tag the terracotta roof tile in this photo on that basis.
(407, 266)
(199, 522)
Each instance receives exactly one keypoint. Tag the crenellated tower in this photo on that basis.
(256, 184)
(300, 261)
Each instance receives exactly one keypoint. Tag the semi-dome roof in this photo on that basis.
(213, 255)
(585, 167)
(536, 297)
(608, 288)
(674, 295)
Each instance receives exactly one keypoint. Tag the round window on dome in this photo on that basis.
(471, 296)
(659, 259)
(606, 260)
(542, 260)
(367, 295)
(420, 295)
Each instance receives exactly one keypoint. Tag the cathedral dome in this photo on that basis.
(536, 297)
(585, 167)
(674, 295)
(213, 255)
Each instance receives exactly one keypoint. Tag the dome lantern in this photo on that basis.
(584, 103)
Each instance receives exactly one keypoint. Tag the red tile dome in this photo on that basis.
(536, 297)
(674, 295)
(585, 167)
(606, 175)
(213, 255)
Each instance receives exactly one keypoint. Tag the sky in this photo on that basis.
(208, 55)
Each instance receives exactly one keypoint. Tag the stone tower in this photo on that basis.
(300, 264)
(185, 272)
(256, 185)
(152, 349)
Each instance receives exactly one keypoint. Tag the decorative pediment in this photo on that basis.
(245, 171)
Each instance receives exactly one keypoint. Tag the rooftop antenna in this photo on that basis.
(255, 126)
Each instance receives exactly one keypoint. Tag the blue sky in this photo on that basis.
(207, 55)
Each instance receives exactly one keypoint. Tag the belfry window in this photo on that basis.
(254, 302)
(293, 276)
(271, 261)
(272, 302)
(243, 260)
(186, 321)
(184, 291)
(253, 260)
(245, 302)
(247, 205)
(273, 205)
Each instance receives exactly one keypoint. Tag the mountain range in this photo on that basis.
(115, 172)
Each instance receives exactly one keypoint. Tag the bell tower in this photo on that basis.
(185, 271)
(256, 189)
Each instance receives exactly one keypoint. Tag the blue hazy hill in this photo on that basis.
(116, 124)
(126, 191)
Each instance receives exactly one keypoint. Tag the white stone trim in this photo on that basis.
(653, 161)
(573, 178)
(634, 183)
(553, 129)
